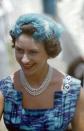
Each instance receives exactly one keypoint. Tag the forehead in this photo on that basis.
(26, 41)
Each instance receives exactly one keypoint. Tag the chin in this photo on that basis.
(29, 71)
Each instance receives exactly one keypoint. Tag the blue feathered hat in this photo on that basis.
(46, 27)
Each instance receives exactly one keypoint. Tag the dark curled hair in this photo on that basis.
(51, 45)
(73, 66)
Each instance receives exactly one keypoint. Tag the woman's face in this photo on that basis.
(30, 54)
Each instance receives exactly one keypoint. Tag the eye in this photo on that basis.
(19, 50)
(33, 52)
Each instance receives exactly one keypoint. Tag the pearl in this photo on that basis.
(41, 89)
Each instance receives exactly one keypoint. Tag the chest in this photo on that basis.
(38, 118)
(45, 100)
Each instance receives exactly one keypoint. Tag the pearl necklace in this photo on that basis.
(42, 88)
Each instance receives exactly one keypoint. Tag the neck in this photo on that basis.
(40, 88)
(36, 79)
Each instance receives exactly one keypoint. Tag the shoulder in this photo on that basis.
(71, 91)
(71, 83)
(5, 80)
(57, 79)
(5, 84)
(65, 81)
(71, 88)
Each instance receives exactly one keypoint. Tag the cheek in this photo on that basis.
(18, 57)
(42, 59)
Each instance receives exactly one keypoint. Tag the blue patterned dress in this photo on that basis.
(16, 118)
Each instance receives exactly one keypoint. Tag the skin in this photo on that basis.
(32, 57)
(78, 121)
(1, 104)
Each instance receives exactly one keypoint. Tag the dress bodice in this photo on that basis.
(57, 118)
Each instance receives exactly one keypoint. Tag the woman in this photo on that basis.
(38, 97)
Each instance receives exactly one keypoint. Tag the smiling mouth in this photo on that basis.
(28, 66)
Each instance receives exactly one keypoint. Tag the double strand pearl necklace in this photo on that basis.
(42, 88)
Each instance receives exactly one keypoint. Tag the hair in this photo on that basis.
(52, 45)
(72, 67)
(42, 28)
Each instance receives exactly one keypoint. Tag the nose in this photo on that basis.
(25, 59)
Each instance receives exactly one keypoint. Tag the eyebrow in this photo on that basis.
(19, 41)
(16, 46)
(30, 49)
